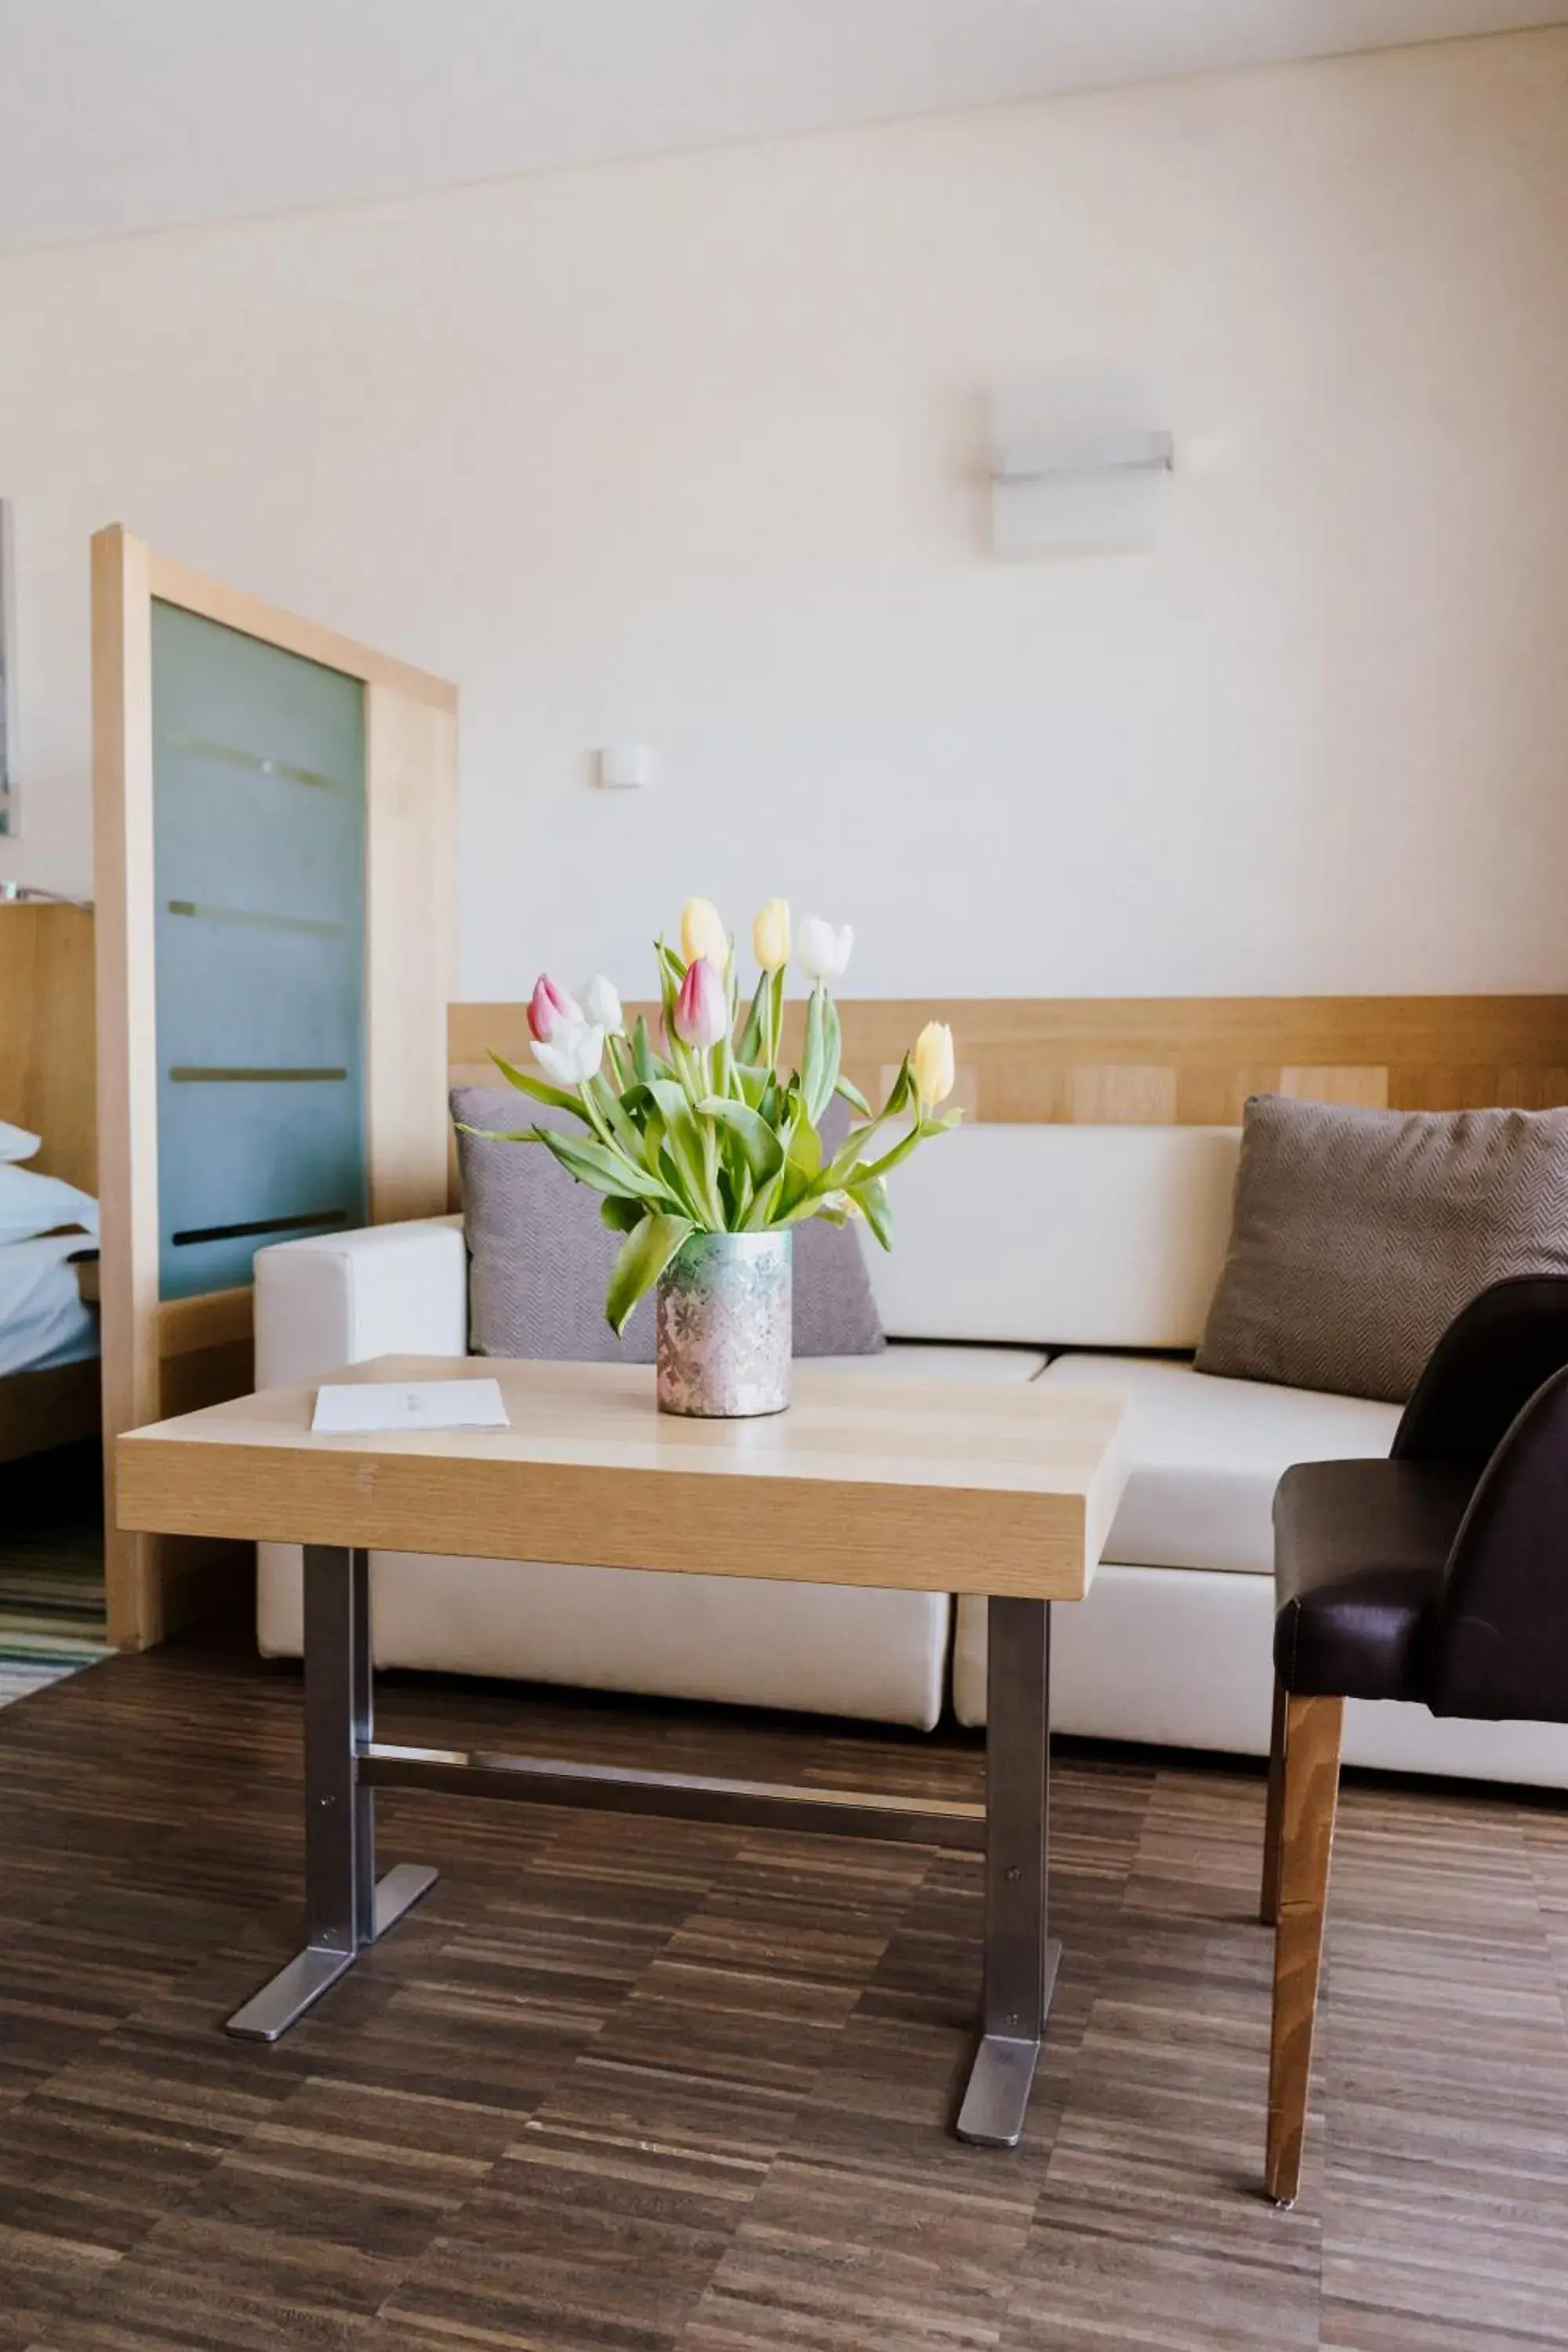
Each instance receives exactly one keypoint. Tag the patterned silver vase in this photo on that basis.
(725, 1311)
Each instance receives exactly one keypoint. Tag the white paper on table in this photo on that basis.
(366, 1405)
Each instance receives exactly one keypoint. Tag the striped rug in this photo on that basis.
(51, 1569)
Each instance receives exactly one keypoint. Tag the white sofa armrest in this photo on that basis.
(341, 1298)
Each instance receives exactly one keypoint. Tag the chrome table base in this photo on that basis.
(1021, 1960)
(284, 1999)
(346, 1908)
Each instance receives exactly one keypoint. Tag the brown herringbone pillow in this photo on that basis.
(1357, 1235)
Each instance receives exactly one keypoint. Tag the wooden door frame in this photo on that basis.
(161, 1358)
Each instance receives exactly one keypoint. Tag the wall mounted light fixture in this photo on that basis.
(1059, 483)
(1080, 454)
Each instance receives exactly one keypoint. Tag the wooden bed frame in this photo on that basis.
(59, 1406)
(47, 1084)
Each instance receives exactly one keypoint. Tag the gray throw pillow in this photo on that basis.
(540, 1258)
(1357, 1236)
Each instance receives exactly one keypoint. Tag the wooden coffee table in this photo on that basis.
(931, 1486)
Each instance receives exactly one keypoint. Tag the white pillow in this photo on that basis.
(31, 1204)
(15, 1143)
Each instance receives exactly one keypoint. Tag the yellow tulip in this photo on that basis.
(932, 1061)
(703, 934)
(770, 935)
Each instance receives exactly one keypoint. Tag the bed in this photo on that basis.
(49, 1378)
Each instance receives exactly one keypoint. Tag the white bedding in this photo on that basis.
(43, 1321)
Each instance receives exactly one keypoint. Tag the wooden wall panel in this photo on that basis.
(1365, 1088)
(1191, 1061)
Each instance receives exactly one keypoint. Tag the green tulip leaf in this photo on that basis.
(645, 1061)
(762, 1152)
(834, 1034)
(803, 1157)
(642, 1258)
(803, 1148)
(539, 1091)
(876, 1169)
(671, 972)
(760, 1215)
(684, 1142)
(501, 1134)
(754, 1036)
(597, 1165)
(815, 1086)
(652, 1142)
(870, 1197)
(602, 1098)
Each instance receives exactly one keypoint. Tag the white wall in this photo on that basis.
(691, 450)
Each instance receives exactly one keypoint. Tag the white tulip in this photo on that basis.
(822, 952)
(574, 1055)
(601, 1003)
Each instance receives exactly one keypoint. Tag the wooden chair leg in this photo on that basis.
(1313, 1728)
(1269, 1897)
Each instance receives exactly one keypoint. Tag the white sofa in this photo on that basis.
(1068, 1254)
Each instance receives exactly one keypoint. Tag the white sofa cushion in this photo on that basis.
(1058, 1236)
(341, 1298)
(1207, 1454)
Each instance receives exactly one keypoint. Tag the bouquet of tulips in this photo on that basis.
(702, 1131)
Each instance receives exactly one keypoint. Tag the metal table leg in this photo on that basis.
(345, 1907)
(1020, 1961)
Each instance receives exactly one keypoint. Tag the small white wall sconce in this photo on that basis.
(1059, 485)
(627, 767)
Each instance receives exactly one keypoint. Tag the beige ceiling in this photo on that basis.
(119, 116)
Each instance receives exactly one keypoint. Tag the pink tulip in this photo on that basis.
(548, 1007)
(701, 1009)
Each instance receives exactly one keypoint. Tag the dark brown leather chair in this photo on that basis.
(1438, 1576)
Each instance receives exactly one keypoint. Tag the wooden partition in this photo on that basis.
(1187, 1061)
(164, 1353)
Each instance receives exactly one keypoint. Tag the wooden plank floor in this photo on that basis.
(624, 2085)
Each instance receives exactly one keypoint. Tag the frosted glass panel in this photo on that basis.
(258, 816)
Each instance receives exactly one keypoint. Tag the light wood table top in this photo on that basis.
(931, 1486)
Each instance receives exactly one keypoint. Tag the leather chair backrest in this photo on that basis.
(1499, 1647)
(1490, 1362)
